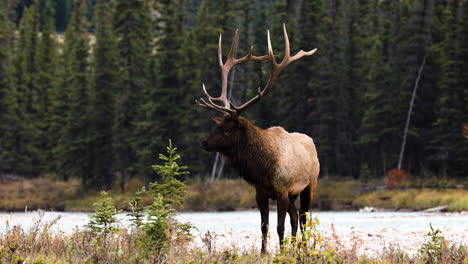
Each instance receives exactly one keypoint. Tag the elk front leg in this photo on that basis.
(283, 203)
(262, 202)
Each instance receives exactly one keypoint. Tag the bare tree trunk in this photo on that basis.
(221, 169)
(215, 166)
(408, 117)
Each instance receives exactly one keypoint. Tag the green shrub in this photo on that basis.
(161, 228)
(438, 250)
(137, 213)
(104, 220)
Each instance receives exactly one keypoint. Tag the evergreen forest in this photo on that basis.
(94, 89)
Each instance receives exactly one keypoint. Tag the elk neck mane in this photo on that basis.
(253, 154)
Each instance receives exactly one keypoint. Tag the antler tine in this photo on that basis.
(270, 50)
(225, 69)
(233, 46)
(212, 105)
(287, 51)
(276, 68)
(220, 51)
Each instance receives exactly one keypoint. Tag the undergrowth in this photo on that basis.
(40, 244)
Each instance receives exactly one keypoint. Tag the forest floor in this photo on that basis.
(235, 194)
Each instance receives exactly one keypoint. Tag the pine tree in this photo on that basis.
(390, 37)
(46, 62)
(414, 46)
(102, 96)
(463, 77)
(373, 129)
(163, 113)
(74, 151)
(132, 24)
(200, 65)
(448, 141)
(6, 91)
(321, 22)
(22, 152)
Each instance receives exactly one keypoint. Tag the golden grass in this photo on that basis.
(455, 199)
(226, 194)
(336, 194)
(221, 195)
(39, 193)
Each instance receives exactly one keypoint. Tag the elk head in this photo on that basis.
(231, 128)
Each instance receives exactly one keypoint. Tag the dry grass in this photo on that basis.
(336, 194)
(41, 245)
(227, 194)
(220, 196)
(456, 199)
(39, 193)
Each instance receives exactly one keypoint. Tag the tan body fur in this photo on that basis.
(280, 165)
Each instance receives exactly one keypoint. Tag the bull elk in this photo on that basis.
(280, 165)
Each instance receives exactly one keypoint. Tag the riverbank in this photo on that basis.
(236, 194)
(372, 245)
(42, 242)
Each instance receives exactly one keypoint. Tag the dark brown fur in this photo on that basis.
(260, 155)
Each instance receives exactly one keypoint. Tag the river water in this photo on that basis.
(250, 220)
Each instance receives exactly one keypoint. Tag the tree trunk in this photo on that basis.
(408, 117)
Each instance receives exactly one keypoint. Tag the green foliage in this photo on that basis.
(438, 250)
(365, 175)
(103, 220)
(132, 29)
(310, 247)
(40, 244)
(103, 86)
(21, 151)
(137, 213)
(73, 151)
(432, 250)
(96, 102)
(160, 228)
(46, 63)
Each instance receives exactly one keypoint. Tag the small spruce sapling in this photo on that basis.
(138, 212)
(161, 226)
(103, 220)
(172, 190)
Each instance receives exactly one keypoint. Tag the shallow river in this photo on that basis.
(250, 220)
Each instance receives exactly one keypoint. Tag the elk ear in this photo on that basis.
(218, 120)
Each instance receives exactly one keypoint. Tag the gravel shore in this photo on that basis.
(368, 244)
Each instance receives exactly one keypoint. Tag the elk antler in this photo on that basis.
(276, 69)
(225, 69)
